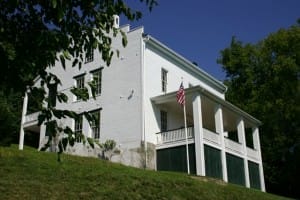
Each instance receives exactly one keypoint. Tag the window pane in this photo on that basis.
(52, 94)
(78, 129)
(164, 79)
(97, 76)
(163, 120)
(89, 56)
(95, 125)
(79, 83)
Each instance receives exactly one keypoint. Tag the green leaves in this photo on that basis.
(263, 79)
(36, 34)
(91, 142)
(124, 39)
(54, 3)
(80, 93)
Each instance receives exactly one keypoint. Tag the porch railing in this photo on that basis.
(33, 117)
(174, 135)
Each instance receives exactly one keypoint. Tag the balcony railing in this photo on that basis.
(174, 135)
(31, 118)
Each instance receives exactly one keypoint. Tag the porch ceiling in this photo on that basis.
(231, 113)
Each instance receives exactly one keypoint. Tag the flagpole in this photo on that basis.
(181, 100)
(186, 140)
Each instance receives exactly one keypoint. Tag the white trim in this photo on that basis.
(220, 131)
(261, 170)
(198, 132)
(200, 90)
(210, 80)
(24, 111)
(242, 139)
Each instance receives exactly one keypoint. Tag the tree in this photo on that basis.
(36, 33)
(9, 117)
(264, 80)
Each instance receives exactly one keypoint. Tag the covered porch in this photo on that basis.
(223, 136)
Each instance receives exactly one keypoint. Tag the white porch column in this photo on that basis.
(256, 143)
(43, 138)
(24, 111)
(242, 139)
(198, 130)
(220, 131)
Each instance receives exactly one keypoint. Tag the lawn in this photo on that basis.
(30, 174)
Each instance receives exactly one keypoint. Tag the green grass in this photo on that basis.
(30, 174)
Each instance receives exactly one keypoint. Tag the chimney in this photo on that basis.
(116, 21)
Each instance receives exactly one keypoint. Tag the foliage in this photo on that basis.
(10, 109)
(36, 34)
(108, 149)
(264, 80)
(30, 174)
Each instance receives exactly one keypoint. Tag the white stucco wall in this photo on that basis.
(121, 97)
(128, 84)
(154, 61)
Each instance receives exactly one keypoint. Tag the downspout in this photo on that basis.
(143, 98)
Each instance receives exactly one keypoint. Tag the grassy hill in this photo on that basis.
(30, 174)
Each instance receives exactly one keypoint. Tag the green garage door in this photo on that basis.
(235, 169)
(174, 159)
(213, 163)
(254, 175)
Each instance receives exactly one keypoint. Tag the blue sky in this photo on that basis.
(200, 29)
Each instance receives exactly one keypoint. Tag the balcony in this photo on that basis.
(174, 135)
(177, 136)
(31, 119)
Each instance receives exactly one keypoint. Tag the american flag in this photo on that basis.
(180, 95)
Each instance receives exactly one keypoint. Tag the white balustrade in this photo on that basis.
(32, 117)
(175, 135)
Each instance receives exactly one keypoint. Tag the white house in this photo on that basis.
(136, 107)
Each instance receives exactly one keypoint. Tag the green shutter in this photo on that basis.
(174, 159)
(52, 95)
(213, 163)
(235, 169)
(254, 175)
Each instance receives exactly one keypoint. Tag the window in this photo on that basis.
(95, 124)
(164, 79)
(89, 56)
(52, 94)
(78, 128)
(79, 84)
(163, 120)
(97, 78)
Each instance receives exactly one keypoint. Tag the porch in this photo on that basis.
(223, 136)
(176, 137)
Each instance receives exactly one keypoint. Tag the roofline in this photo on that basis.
(188, 64)
(198, 89)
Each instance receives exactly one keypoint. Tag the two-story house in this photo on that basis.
(136, 106)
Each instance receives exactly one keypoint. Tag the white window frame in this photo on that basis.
(98, 81)
(164, 80)
(90, 58)
(78, 124)
(163, 120)
(95, 127)
(79, 83)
